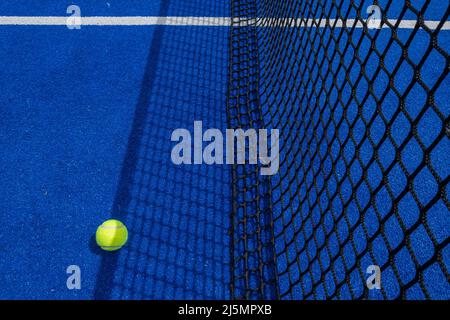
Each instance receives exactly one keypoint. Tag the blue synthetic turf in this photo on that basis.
(68, 101)
(195, 8)
(85, 123)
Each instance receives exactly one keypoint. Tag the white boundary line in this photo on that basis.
(205, 21)
(116, 21)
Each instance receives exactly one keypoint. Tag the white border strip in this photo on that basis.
(337, 23)
(116, 21)
(208, 21)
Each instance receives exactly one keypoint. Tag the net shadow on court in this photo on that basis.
(177, 216)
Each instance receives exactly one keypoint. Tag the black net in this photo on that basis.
(363, 115)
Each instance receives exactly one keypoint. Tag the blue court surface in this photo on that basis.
(86, 117)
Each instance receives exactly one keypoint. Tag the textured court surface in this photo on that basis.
(85, 123)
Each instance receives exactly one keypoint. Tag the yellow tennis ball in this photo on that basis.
(111, 235)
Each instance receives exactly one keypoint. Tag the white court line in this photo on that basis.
(116, 21)
(207, 21)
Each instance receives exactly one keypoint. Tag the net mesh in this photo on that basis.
(363, 115)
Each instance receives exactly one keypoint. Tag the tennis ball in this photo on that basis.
(111, 235)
